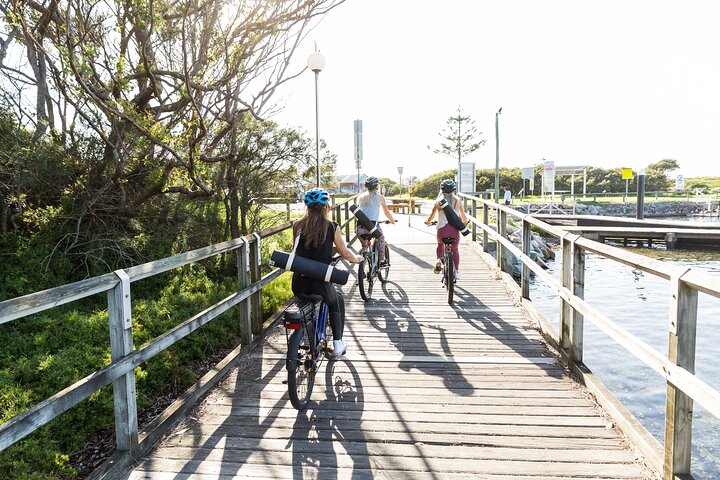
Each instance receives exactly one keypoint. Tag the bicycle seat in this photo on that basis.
(300, 310)
(366, 236)
(310, 297)
(448, 240)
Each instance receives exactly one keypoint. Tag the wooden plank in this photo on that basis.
(427, 390)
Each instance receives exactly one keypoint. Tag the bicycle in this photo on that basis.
(447, 269)
(309, 344)
(370, 255)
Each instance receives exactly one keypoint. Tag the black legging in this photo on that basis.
(308, 286)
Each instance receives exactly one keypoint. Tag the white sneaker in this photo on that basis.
(339, 348)
(438, 266)
(457, 276)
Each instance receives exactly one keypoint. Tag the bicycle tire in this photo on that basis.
(449, 277)
(384, 272)
(301, 378)
(365, 281)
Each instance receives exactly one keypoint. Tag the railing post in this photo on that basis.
(526, 247)
(474, 226)
(256, 298)
(566, 279)
(347, 218)
(121, 344)
(486, 222)
(502, 226)
(576, 318)
(243, 269)
(678, 406)
(287, 207)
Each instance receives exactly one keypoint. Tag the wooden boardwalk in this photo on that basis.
(427, 391)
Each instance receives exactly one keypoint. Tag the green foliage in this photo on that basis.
(429, 187)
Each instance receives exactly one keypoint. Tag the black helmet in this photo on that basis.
(447, 186)
(372, 183)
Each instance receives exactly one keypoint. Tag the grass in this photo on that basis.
(42, 354)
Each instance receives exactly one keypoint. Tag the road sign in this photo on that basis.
(680, 182)
(528, 173)
(358, 144)
(466, 181)
(548, 176)
(627, 173)
(400, 169)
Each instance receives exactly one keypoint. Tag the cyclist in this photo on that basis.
(317, 236)
(444, 229)
(370, 202)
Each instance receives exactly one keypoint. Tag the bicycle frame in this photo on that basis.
(318, 319)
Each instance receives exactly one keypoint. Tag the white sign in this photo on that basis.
(358, 144)
(548, 176)
(528, 173)
(400, 169)
(466, 181)
(680, 182)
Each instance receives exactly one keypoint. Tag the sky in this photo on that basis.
(605, 84)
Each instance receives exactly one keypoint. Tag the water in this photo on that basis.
(639, 302)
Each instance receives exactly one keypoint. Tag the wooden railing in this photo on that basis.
(125, 357)
(677, 367)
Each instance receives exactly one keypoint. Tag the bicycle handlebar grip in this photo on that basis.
(309, 268)
(366, 222)
(452, 217)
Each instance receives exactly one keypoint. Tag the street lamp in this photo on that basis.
(497, 157)
(316, 62)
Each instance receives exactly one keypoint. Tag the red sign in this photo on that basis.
(400, 169)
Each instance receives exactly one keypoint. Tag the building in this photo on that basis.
(347, 183)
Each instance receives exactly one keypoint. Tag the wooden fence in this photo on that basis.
(677, 367)
(132, 442)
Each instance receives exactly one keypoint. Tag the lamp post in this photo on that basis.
(316, 62)
(497, 157)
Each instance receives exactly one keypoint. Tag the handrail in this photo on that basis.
(683, 386)
(120, 372)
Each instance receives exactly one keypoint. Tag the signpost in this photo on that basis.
(627, 174)
(358, 149)
(466, 177)
(680, 182)
(528, 173)
(400, 170)
(548, 178)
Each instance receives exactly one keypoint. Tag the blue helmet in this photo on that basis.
(316, 195)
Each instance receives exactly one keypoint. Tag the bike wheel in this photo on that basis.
(365, 279)
(449, 277)
(301, 376)
(384, 272)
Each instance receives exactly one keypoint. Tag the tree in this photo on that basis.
(459, 137)
(268, 161)
(162, 83)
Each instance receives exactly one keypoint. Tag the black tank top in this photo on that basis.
(321, 253)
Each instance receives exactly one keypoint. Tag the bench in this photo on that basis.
(398, 205)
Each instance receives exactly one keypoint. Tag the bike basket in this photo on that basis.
(296, 313)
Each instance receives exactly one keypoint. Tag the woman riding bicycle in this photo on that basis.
(370, 202)
(444, 229)
(317, 236)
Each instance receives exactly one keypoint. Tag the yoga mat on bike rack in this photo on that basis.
(452, 217)
(366, 222)
(309, 268)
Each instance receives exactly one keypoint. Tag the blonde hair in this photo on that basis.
(366, 197)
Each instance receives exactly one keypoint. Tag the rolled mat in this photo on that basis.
(309, 268)
(366, 222)
(452, 217)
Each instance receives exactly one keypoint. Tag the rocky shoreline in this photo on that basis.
(652, 209)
